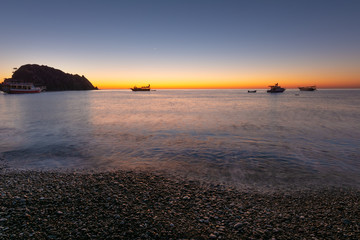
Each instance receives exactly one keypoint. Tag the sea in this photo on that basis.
(232, 137)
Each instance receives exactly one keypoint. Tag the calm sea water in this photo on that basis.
(214, 135)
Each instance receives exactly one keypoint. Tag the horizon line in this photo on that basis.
(358, 87)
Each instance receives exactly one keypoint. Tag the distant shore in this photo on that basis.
(142, 205)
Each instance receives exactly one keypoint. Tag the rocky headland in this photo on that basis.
(51, 78)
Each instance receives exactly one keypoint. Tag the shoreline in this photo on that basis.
(143, 205)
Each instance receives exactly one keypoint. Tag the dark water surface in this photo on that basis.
(215, 135)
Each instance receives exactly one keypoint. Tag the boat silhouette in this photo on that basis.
(143, 88)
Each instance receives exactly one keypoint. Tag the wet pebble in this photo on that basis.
(135, 205)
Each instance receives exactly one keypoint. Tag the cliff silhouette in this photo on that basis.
(53, 79)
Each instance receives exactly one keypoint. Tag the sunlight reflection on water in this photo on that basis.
(214, 135)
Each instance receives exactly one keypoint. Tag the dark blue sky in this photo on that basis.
(120, 42)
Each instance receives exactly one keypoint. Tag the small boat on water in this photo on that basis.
(144, 88)
(251, 91)
(19, 87)
(308, 88)
(276, 89)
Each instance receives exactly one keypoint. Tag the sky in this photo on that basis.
(187, 43)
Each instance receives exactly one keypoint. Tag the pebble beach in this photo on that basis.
(144, 205)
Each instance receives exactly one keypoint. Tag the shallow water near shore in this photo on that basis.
(231, 136)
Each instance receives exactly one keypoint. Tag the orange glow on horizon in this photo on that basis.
(329, 82)
(246, 78)
(223, 79)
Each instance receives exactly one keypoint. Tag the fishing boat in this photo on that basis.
(144, 88)
(19, 87)
(276, 89)
(308, 88)
(251, 91)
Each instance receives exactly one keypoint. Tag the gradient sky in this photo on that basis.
(187, 43)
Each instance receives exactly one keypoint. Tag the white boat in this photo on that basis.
(276, 89)
(19, 87)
